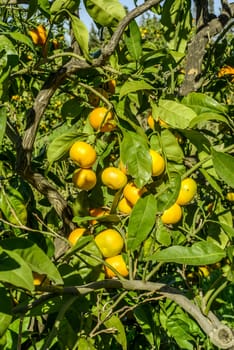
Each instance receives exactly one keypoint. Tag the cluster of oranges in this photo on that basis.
(110, 243)
(38, 35)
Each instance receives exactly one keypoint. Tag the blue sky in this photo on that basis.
(128, 3)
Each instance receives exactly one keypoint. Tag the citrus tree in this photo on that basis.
(116, 191)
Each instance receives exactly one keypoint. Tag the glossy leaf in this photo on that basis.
(224, 166)
(106, 13)
(15, 270)
(81, 34)
(132, 39)
(143, 315)
(134, 86)
(9, 56)
(196, 137)
(140, 222)
(134, 153)
(175, 114)
(167, 193)
(22, 38)
(119, 334)
(5, 310)
(202, 103)
(60, 146)
(201, 253)
(13, 206)
(3, 121)
(34, 256)
(203, 117)
(168, 145)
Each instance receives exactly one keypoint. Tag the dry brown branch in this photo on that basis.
(197, 49)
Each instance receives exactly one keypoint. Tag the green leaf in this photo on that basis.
(81, 34)
(119, 334)
(224, 166)
(13, 206)
(211, 181)
(106, 13)
(60, 146)
(203, 117)
(201, 253)
(134, 86)
(143, 315)
(60, 5)
(34, 256)
(175, 114)
(168, 192)
(24, 39)
(3, 121)
(132, 39)
(14, 270)
(168, 145)
(5, 310)
(141, 221)
(86, 344)
(198, 140)
(9, 56)
(202, 103)
(134, 153)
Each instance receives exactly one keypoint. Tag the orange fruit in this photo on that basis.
(113, 178)
(40, 279)
(110, 242)
(188, 190)
(133, 193)
(118, 263)
(172, 215)
(97, 212)
(158, 163)
(38, 35)
(76, 234)
(84, 179)
(230, 196)
(150, 121)
(124, 206)
(101, 119)
(83, 154)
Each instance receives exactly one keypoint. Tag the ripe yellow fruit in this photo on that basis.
(96, 212)
(83, 154)
(76, 234)
(84, 179)
(158, 163)
(204, 271)
(124, 206)
(118, 263)
(172, 215)
(133, 193)
(38, 35)
(101, 119)
(150, 121)
(188, 190)
(110, 242)
(230, 196)
(113, 178)
(40, 279)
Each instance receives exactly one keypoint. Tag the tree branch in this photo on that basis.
(220, 334)
(197, 50)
